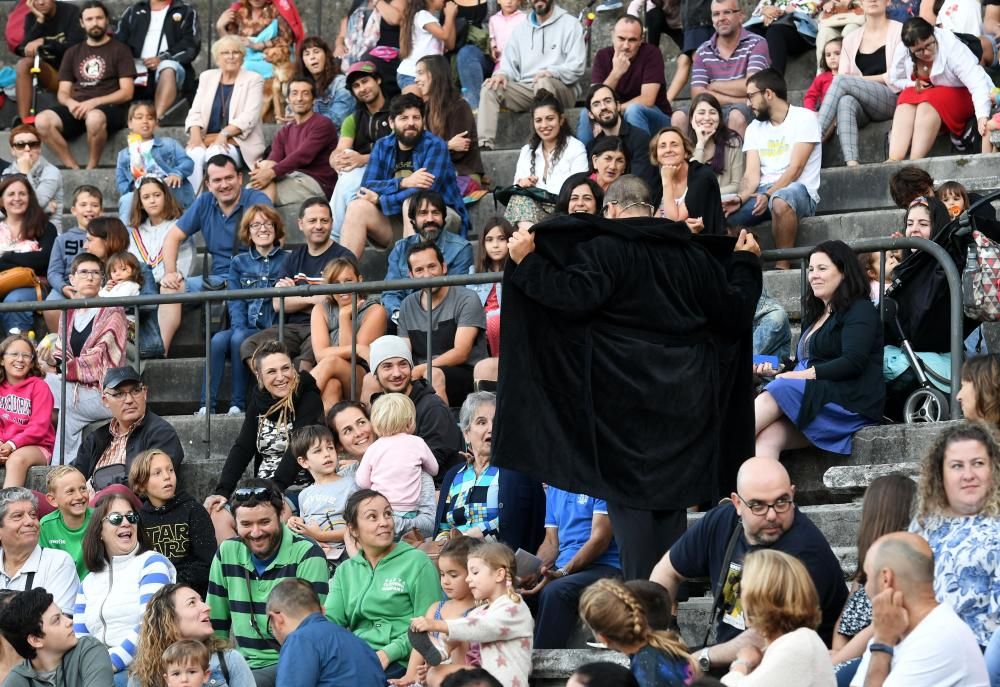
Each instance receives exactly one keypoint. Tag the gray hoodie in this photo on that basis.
(85, 665)
(556, 46)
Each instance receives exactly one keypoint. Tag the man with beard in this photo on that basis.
(603, 114)
(410, 160)
(759, 514)
(247, 568)
(784, 150)
(297, 167)
(95, 82)
(427, 213)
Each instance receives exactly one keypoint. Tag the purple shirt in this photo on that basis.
(750, 57)
(646, 67)
(306, 148)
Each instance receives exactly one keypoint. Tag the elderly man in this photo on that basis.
(107, 453)
(24, 564)
(760, 513)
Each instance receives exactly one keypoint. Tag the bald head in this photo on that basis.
(908, 556)
(764, 500)
(762, 474)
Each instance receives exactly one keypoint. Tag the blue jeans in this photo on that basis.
(347, 187)
(649, 119)
(473, 66)
(772, 334)
(795, 194)
(555, 608)
(226, 344)
(20, 320)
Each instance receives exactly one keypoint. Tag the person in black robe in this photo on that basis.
(610, 380)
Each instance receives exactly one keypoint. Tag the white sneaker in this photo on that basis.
(610, 6)
(201, 412)
(233, 410)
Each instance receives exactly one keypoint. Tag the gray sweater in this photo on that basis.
(85, 665)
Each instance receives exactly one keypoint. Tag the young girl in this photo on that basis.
(154, 210)
(177, 526)
(393, 463)
(502, 24)
(26, 432)
(453, 569)
(122, 277)
(821, 84)
(499, 631)
(618, 620)
(870, 263)
(954, 196)
(492, 257)
(421, 34)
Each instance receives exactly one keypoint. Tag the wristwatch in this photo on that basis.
(704, 663)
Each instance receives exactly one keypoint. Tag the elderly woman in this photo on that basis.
(124, 574)
(225, 113)
(836, 387)
(781, 604)
(26, 240)
(44, 177)
(941, 84)
(716, 145)
(958, 513)
(175, 613)
(485, 501)
(689, 191)
(366, 596)
(980, 392)
(265, 28)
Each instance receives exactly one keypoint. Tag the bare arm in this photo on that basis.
(647, 96)
(171, 245)
(852, 648)
(751, 176)
(465, 338)
(665, 575)
(549, 549)
(725, 653)
(392, 12)
(735, 88)
(63, 94)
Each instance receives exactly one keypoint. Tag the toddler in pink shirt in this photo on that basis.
(502, 24)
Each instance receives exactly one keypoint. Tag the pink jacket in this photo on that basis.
(244, 108)
(26, 413)
(852, 43)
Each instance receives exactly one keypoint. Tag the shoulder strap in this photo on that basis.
(29, 579)
(222, 665)
(713, 616)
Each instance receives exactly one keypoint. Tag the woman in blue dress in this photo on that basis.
(836, 388)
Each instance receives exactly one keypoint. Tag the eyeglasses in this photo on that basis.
(929, 46)
(751, 95)
(22, 145)
(261, 226)
(724, 13)
(116, 518)
(89, 274)
(760, 508)
(604, 209)
(133, 393)
(251, 493)
(19, 356)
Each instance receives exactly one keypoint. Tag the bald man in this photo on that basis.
(918, 642)
(759, 514)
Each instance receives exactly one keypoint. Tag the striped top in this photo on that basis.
(750, 57)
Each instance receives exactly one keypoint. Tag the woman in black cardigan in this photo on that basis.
(688, 190)
(836, 388)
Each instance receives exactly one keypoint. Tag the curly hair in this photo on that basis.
(33, 370)
(777, 593)
(983, 372)
(931, 497)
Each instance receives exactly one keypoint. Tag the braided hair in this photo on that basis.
(544, 98)
(284, 407)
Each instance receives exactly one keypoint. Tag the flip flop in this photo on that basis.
(422, 642)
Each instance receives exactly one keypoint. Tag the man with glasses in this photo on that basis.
(107, 453)
(246, 569)
(603, 112)
(761, 513)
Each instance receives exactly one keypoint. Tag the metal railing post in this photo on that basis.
(281, 318)
(209, 405)
(430, 333)
(62, 389)
(354, 345)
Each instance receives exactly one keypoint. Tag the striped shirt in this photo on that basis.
(750, 57)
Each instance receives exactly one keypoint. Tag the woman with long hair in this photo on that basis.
(689, 190)
(27, 436)
(333, 98)
(980, 392)
(26, 240)
(716, 145)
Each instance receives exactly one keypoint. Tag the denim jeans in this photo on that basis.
(347, 186)
(20, 320)
(992, 656)
(649, 119)
(473, 66)
(795, 194)
(226, 344)
(772, 334)
(555, 608)
(845, 673)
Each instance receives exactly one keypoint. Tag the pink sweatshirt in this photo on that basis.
(501, 26)
(26, 413)
(392, 466)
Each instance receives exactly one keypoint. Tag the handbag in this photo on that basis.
(981, 279)
(19, 278)
(503, 195)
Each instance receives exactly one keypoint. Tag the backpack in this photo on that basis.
(981, 280)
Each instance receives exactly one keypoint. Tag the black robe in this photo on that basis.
(610, 380)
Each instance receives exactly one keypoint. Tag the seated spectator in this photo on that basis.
(604, 119)
(164, 51)
(578, 550)
(366, 27)
(501, 26)
(224, 116)
(96, 338)
(148, 155)
(124, 574)
(457, 324)
(88, 104)
(297, 166)
(63, 528)
(410, 160)
(315, 651)
(917, 641)
(580, 193)
(715, 144)
(530, 64)
(688, 189)
(786, 37)
(26, 432)
(26, 240)
(24, 564)
(334, 99)
(108, 452)
(87, 201)
(779, 187)
(427, 212)
(476, 59)
(334, 331)
(303, 266)
(979, 395)
(42, 634)
(44, 177)
(265, 26)
(422, 35)
(154, 210)
(941, 85)
(828, 64)
(50, 28)
(602, 674)
(781, 605)
(544, 163)
(761, 514)
(609, 159)
(491, 257)
(836, 387)
(862, 89)
(263, 230)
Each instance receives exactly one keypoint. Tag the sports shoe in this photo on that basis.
(201, 412)
(422, 642)
(234, 410)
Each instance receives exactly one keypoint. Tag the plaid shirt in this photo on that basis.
(430, 153)
(473, 501)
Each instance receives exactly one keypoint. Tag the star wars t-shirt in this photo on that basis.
(95, 69)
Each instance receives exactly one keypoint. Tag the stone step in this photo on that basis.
(854, 479)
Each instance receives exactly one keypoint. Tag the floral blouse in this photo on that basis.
(248, 26)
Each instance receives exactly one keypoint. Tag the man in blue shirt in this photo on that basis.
(217, 215)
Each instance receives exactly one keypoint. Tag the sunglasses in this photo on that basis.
(252, 494)
(22, 145)
(116, 518)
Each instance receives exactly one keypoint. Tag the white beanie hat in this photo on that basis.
(388, 347)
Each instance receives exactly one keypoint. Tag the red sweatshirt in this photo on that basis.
(817, 91)
(26, 413)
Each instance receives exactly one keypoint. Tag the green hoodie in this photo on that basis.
(377, 605)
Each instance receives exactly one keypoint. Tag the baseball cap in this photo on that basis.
(359, 69)
(388, 347)
(114, 377)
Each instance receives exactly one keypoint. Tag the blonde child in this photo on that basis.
(321, 504)
(618, 619)
(502, 24)
(499, 631)
(185, 664)
(122, 276)
(392, 465)
(954, 196)
(63, 528)
(421, 34)
(828, 68)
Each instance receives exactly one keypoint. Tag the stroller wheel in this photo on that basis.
(926, 404)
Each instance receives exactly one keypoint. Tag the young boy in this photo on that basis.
(149, 155)
(63, 528)
(185, 664)
(321, 505)
(87, 201)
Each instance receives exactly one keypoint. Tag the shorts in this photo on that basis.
(795, 194)
(296, 187)
(695, 37)
(742, 108)
(72, 127)
(147, 90)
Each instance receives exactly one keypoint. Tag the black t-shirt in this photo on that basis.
(308, 269)
(369, 128)
(404, 163)
(700, 553)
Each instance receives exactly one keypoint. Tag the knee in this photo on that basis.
(96, 122)
(165, 77)
(44, 123)
(23, 66)
(736, 120)
(780, 207)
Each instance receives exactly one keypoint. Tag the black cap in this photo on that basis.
(114, 377)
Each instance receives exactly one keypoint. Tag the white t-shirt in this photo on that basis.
(961, 16)
(424, 43)
(774, 146)
(940, 652)
(155, 42)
